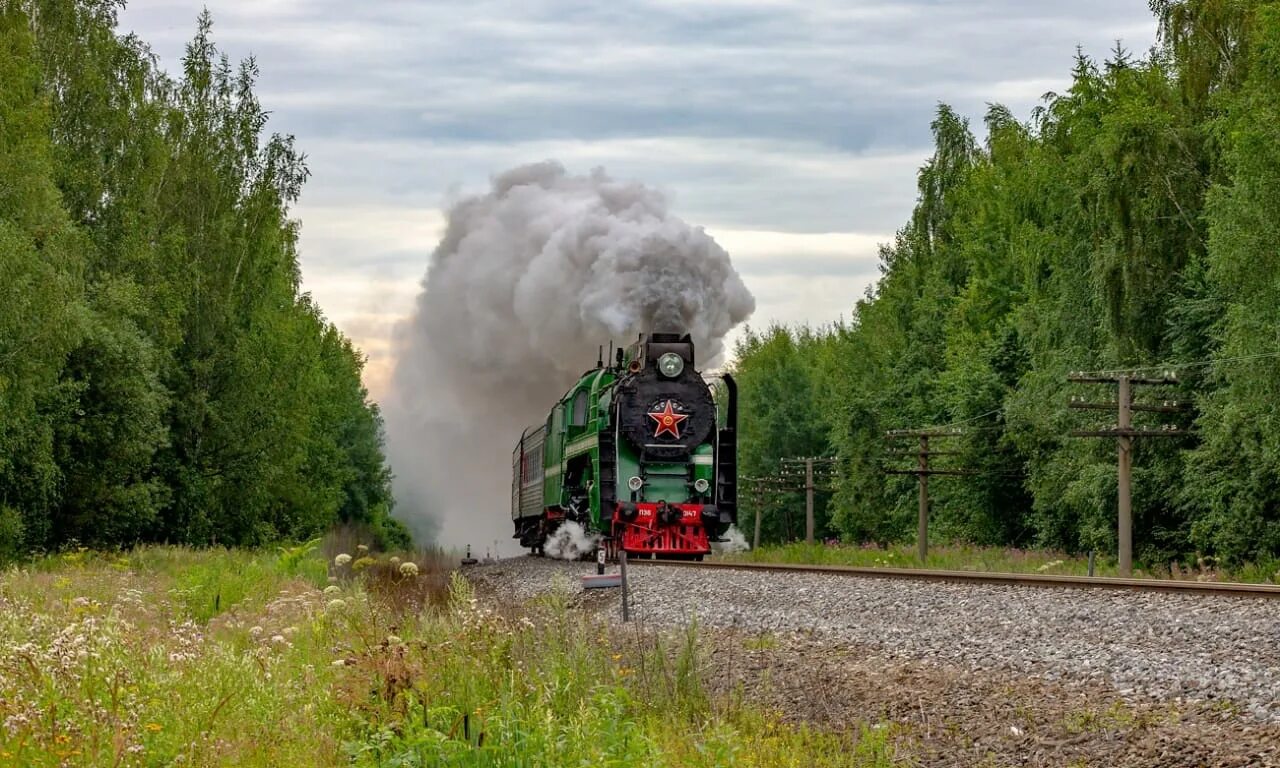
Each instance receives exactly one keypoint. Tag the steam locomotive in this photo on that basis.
(642, 453)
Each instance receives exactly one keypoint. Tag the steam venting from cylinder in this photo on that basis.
(527, 281)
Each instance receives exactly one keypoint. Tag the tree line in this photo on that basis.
(1132, 222)
(162, 376)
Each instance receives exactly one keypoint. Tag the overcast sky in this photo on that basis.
(791, 131)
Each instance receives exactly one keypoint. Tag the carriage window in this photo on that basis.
(579, 417)
(531, 463)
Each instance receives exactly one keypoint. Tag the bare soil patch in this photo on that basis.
(944, 716)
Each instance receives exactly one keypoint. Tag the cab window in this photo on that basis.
(578, 418)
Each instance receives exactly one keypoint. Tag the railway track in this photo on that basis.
(1225, 589)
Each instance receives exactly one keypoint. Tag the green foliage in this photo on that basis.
(775, 382)
(546, 688)
(292, 558)
(1129, 223)
(11, 535)
(1236, 504)
(290, 672)
(42, 303)
(210, 582)
(161, 375)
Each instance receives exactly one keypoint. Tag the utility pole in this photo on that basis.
(1124, 475)
(922, 473)
(755, 539)
(758, 487)
(808, 501)
(819, 473)
(1124, 432)
(922, 521)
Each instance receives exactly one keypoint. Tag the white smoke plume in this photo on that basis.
(527, 281)
(735, 541)
(570, 542)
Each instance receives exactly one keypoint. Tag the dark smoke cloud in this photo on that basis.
(527, 281)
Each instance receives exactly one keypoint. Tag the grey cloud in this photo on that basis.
(861, 266)
(856, 77)
(755, 185)
(797, 117)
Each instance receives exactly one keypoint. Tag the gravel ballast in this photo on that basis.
(1171, 647)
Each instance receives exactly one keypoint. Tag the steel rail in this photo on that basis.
(1220, 588)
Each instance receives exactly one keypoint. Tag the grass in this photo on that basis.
(764, 641)
(965, 557)
(171, 656)
(1117, 716)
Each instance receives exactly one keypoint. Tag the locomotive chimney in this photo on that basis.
(659, 344)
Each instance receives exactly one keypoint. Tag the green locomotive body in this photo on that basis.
(641, 453)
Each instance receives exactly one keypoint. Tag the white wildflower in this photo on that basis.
(333, 589)
(342, 559)
(335, 605)
(395, 561)
(339, 663)
(408, 569)
(278, 639)
(362, 548)
(255, 630)
(393, 640)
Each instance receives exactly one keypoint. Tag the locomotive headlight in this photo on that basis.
(670, 365)
(634, 483)
(701, 485)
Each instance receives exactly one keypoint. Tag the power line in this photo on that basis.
(1170, 367)
(979, 417)
(952, 425)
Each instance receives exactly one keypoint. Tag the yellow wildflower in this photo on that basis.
(154, 727)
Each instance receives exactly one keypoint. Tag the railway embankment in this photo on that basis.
(970, 673)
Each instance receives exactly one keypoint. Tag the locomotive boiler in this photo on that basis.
(640, 452)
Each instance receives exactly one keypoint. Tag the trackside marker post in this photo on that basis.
(600, 579)
(622, 565)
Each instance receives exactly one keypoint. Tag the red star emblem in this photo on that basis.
(668, 421)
